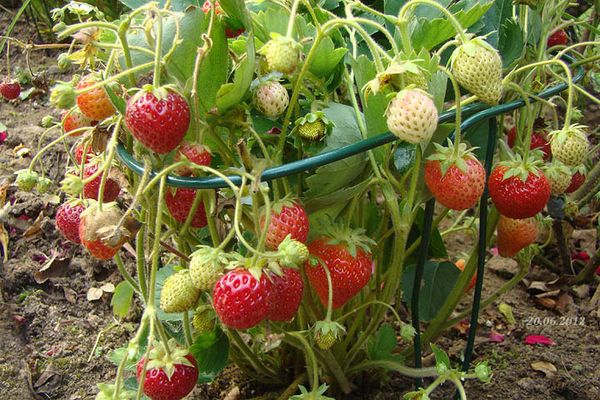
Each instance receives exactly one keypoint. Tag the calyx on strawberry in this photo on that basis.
(559, 176)
(169, 376)
(180, 202)
(271, 99)
(286, 295)
(242, 300)
(455, 178)
(288, 217)
(313, 126)
(281, 53)
(477, 67)
(206, 266)
(178, 293)
(326, 333)
(538, 141)
(570, 144)
(398, 75)
(68, 216)
(412, 116)
(10, 89)
(515, 234)
(195, 154)
(519, 189)
(347, 256)
(94, 104)
(100, 230)
(158, 117)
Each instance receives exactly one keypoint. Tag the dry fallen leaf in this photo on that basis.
(547, 368)
(94, 294)
(546, 303)
(53, 268)
(70, 295)
(563, 302)
(108, 287)
(36, 227)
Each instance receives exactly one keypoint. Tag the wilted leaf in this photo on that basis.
(36, 227)
(563, 302)
(547, 368)
(70, 295)
(506, 310)
(21, 151)
(53, 268)
(546, 302)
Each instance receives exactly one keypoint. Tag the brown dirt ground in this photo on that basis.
(48, 330)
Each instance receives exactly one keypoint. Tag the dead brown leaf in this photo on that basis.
(546, 368)
(35, 228)
(53, 268)
(546, 302)
(564, 301)
(70, 295)
(94, 294)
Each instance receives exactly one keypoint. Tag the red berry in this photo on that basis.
(288, 218)
(94, 104)
(538, 141)
(207, 6)
(78, 153)
(91, 190)
(558, 38)
(349, 274)
(10, 90)
(195, 153)
(180, 201)
(576, 181)
(240, 300)
(457, 189)
(286, 295)
(515, 234)
(233, 33)
(515, 198)
(461, 264)
(158, 385)
(91, 222)
(75, 120)
(158, 123)
(68, 216)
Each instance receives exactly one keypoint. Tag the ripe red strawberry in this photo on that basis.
(10, 90)
(194, 153)
(286, 295)
(515, 234)
(159, 119)
(172, 379)
(75, 120)
(461, 264)
(412, 116)
(68, 216)
(518, 192)
(78, 153)
(180, 201)
(577, 180)
(287, 218)
(94, 225)
(456, 181)
(538, 141)
(240, 300)
(229, 31)
(349, 260)
(91, 190)
(94, 104)
(558, 38)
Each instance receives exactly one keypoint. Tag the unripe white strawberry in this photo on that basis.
(282, 54)
(559, 176)
(412, 116)
(569, 145)
(477, 67)
(206, 266)
(178, 293)
(271, 99)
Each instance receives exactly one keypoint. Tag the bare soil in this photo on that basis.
(54, 342)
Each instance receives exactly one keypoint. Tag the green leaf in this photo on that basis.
(214, 71)
(121, 299)
(176, 5)
(511, 44)
(478, 136)
(332, 177)
(438, 281)
(117, 101)
(438, 85)
(211, 351)
(441, 358)
(437, 249)
(117, 355)
(430, 32)
(374, 106)
(327, 57)
(495, 18)
(341, 196)
(404, 156)
(382, 345)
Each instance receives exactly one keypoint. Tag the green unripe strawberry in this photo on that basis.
(412, 116)
(178, 293)
(292, 253)
(569, 145)
(43, 185)
(107, 392)
(326, 333)
(313, 126)
(271, 99)
(559, 176)
(26, 179)
(477, 67)
(63, 96)
(204, 320)
(282, 54)
(206, 266)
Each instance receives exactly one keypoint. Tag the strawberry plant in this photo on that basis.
(272, 169)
